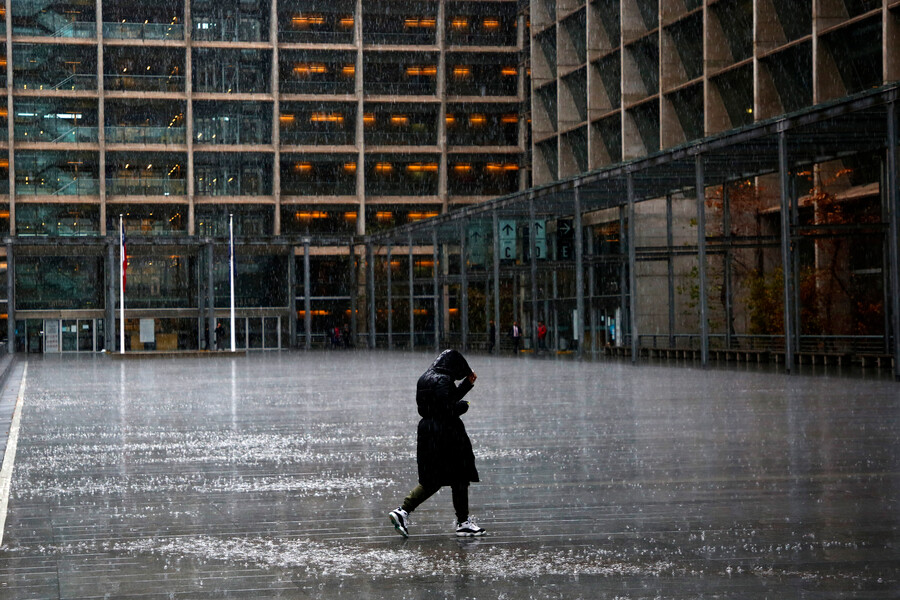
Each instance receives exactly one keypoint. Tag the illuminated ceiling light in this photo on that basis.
(462, 168)
(422, 167)
(491, 23)
(509, 119)
(347, 22)
(350, 167)
(303, 167)
(459, 23)
(450, 119)
(286, 118)
(462, 71)
(348, 70)
(384, 215)
(418, 216)
(399, 120)
(368, 119)
(383, 167)
(323, 117)
(509, 71)
(477, 119)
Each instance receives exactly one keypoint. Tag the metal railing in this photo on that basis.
(145, 135)
(146, 187)
(37, 186)
(70, 82)
(73, 135)
(143, 83)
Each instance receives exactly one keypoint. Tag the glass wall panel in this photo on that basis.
(402, 174)
(54, 67)
(57, 173)
(156, 280)
(144, 69)
(316, 21)
(144, 122)
(4, 227)
(310, 123)
(407, 73)
(317, 71)
(481, 23)
(261, 280)
(148, 219)
(57, 219)
(338, 219)
(168, 334)
(482, 74)
(75, 18)
(482, 125)
(480, 175)
(407, 23)
(318, 175)
(401, 124)
(233, 122)
(249, 219)
(244, 174)
(228, 71)
(129, 20)
(59, 282)
(230, 20)
(63, 120)
(387, 216)
(4, 182)
(145, 174)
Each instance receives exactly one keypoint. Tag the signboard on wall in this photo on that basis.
(51, 335)
(148, 335)
(507, 239)
(476, 243)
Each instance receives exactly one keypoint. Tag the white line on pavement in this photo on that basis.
(10, 455)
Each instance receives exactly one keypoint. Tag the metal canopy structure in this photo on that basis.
(863, 123)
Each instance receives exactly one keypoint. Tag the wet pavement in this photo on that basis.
(271, 475)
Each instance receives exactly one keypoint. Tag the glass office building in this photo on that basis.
(306, 122)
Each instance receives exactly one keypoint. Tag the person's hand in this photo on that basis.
(472, 377)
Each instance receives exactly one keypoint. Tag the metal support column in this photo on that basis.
(370, 292)
(292, 298)
(729, 258)
(463, 288)
(786, 252)
(496, 243)
(592, 291)
(436, 309)
(893, 196)
(532, 250)
(112, 281)
(210, 296)
(412, 298)
(354, 295)
(307, 297)
(390, 300)
(700, 189)
(623, 278)
(670, 263)
(578, 326)
(632, 275)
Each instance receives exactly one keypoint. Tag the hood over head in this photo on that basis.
(452, 363)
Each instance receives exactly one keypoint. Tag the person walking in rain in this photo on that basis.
(443, 449)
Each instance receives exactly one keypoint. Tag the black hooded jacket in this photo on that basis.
(443, 450)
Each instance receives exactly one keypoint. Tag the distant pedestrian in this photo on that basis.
(220, 336)
(516, 334)
(335, 337)
(492, 337)
(443, 449)
(346, 337)
(542, 335)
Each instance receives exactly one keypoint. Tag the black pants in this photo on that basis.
(420, 494)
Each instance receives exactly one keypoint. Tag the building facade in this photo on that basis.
(299, 119)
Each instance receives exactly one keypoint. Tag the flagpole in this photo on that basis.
(122, 285)
(231, 273)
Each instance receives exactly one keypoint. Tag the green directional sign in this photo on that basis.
(477, 235)
(507, 239)
(540, 239)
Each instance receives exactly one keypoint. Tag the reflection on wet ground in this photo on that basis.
(271, 475)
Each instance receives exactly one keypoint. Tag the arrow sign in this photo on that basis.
(507, 239)
(565, 239)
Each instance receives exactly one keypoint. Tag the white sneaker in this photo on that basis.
(399, 518)
(468, 528)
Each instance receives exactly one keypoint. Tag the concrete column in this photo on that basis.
(370, 288)
(307, 297)
(390, 301)
(101, 116)
(893, 199)
(701, 258)
(786, 252)
(729, 255)
(579, 273)
(412, 298)
(354, 293)
(360, 130)
(495, 219)
(463, 288)
(592, 291)
(623, 275)
(189, 119)
(436, 299)
(632, 275)
(276, 112)
(10, 133)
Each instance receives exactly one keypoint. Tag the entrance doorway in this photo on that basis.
(255, 333)
(59, 335)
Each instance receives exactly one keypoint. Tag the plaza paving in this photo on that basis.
(271, 475)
